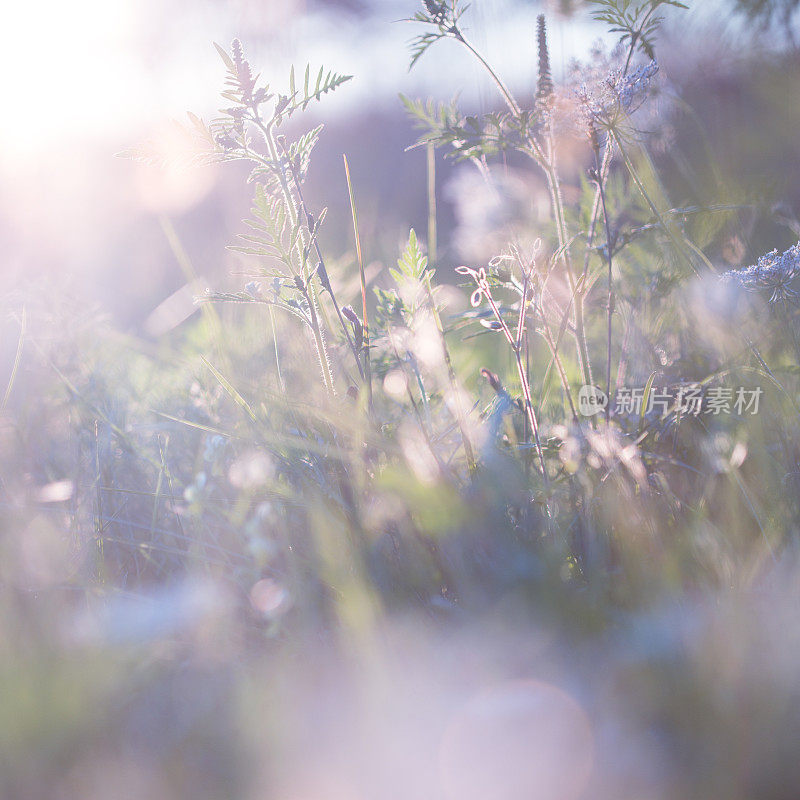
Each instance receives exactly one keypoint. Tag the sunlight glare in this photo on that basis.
(74, 68)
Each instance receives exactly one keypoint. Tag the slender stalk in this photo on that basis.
(432, 232)
(515, 343)
(277, 353)
(556, 359)
(609, 245)
(578, 296)
(461, 416)
(651, 205)
(319, 338)
(507, 96)
(554, 345)
(365, 322)
(212, 318)
(527, 460)
(602, 175)
(23, 325)
(787, 315)
(305, 286)
(548, 165)
(531, 412)
(324, 278)
(414, 406)
(266, 131)
(577, 292)
(595, 214)
(635, 37)
(622, 365)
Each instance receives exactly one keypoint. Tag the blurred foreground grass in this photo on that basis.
(343, 533)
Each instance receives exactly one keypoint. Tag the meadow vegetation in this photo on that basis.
(342, 535)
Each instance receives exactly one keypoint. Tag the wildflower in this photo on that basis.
(253, 288)
(772, 272)
(482, 282)
(635, 87)
(616, 93)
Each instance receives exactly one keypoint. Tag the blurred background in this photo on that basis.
(126, 669)
(86, 80)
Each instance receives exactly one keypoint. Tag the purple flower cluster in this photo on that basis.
(633, 89)
(617, 93)
(773, 272)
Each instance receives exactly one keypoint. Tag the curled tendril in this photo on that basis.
(479, 276)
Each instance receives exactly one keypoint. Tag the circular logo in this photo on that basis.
(591, 400)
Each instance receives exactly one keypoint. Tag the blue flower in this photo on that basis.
(773, 272)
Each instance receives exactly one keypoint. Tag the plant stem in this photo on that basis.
(609, 245)
(548, 165)
(507, 96)
(577, 292)
(277, 353)
(324, 278)
(651, 205)
(431, 169)
(461, 416)
(556, 359)
(365, 321)
(516, 348)
(308, 287)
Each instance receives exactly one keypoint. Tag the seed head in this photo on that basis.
(243, 72)
(238, 54)
(545, 86)
(437, 11)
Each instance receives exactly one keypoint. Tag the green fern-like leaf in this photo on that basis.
(270, 225)
(637, 24)
(412, 263)
(324, 83)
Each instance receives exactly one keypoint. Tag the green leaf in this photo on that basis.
(646, 400)
(226, 59)
(413, 262)
(230, 389)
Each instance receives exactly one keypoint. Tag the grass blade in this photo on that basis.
(17, 358)
(365, 322)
